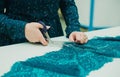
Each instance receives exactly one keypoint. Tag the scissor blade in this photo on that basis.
(60, 43)
(56, 43)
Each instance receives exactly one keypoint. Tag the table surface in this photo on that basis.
(20, 52)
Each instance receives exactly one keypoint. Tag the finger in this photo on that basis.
(42, 40)
(80, 38)
(39, 25)
(72, 38)
(85, 38)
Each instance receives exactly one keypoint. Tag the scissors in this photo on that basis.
(47, 37)
(44, 31)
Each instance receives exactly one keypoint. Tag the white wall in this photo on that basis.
(107, 12)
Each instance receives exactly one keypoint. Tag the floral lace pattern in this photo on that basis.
(72, 60)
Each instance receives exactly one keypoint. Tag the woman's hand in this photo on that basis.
(33, 33)
(78, 37)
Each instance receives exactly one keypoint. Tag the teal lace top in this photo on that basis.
(20, 12)
(72, 60)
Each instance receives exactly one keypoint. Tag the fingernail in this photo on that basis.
(45, 43)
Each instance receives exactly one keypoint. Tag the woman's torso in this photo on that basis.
(34, 11)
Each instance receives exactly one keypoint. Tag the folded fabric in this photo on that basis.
(72, 60)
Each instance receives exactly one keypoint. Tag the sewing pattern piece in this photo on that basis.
(72, 60)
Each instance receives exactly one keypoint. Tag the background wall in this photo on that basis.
(106, 12)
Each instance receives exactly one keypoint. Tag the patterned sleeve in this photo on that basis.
(70, 14)
(14, 29)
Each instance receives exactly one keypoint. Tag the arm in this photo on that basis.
(14, 29)
(70, 13)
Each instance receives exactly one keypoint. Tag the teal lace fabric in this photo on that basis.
(72, 60)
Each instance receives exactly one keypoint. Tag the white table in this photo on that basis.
(20, 52)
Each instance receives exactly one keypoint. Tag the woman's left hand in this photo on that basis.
(78, 37)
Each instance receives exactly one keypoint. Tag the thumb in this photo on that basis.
(39, 25)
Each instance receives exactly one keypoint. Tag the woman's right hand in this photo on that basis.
(33, 33)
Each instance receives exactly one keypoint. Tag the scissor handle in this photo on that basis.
(44, 29)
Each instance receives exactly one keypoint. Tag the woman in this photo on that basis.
(19, 20)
